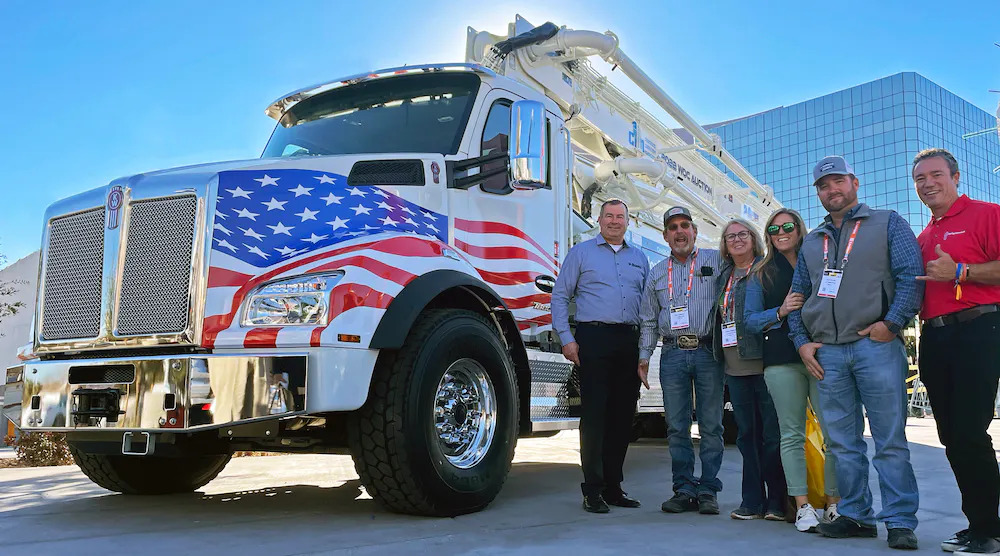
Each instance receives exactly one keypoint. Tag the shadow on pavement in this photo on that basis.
(537, 510)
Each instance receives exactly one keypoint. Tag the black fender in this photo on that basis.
(451, 288)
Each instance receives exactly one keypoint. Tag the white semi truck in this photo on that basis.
(378, 281)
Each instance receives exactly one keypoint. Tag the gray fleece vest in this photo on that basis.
(867, 288)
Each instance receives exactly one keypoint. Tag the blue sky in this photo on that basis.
(98, 90)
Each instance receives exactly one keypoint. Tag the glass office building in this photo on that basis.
(878, 127)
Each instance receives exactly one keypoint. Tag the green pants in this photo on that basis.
(790, 387)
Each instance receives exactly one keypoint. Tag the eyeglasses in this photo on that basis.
(744, 235)
(787, 227)
(685, 224)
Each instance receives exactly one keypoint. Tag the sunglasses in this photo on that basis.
(682, 224)
(787, 227)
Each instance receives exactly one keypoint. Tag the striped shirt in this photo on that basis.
(655, 309)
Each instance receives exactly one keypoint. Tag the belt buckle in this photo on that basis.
(687, 342)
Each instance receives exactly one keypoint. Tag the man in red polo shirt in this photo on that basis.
(960, 339)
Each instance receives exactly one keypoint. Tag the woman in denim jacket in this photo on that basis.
(758, 438)
(767, 303)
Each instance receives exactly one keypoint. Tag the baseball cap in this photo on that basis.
(829, 166)
(676, 211)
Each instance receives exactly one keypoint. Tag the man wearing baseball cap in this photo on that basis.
(677, 304)
(857, 272)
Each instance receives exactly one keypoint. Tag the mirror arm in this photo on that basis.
(465, 182)
(469, 163)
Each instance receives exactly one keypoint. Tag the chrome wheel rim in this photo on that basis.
(465, 408)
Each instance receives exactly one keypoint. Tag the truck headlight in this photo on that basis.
(302, 300)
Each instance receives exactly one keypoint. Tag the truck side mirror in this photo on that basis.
(529, 158)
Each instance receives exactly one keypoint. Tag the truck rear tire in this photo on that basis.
(437, 434)
(149, 474)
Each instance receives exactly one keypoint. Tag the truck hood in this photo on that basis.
(251, 220)
(201, 179)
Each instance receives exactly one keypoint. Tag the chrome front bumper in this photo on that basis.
(165, 393)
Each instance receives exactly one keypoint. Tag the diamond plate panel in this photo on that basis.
(552, 390)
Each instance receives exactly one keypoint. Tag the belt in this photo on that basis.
(625, 325)
(962, 316)
(687, 341)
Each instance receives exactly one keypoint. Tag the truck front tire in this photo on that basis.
(149, 474)
(437, 433)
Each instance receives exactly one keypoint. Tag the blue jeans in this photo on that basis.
(679, 370)
(872, 374)
(759, 441)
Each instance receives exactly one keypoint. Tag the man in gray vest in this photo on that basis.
(857, 272)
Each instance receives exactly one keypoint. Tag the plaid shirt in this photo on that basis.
(906, 263)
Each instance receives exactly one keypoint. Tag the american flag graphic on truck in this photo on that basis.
(277, 224)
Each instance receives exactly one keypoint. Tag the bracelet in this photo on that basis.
(966, 267)
(959, 278)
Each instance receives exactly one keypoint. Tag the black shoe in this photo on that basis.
(622, 500)
(744, 514)
(680, 503)
(595, 504)
(902, 538)
(976, 544)
(708, 504)
(844, 527)
(958, 540)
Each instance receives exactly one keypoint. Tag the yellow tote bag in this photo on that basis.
(815, 460)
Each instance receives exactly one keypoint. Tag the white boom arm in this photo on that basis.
(566, 38)
(625, 139)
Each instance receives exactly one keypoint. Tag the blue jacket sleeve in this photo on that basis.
(907, 263)
(756, 317)
(800, 284)
(566, 282)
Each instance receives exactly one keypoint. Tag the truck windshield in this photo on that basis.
(412, 113)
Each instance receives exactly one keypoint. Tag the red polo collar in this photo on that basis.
(956, 207)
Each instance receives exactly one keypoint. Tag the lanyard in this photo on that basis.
(725, 298)
(847, 252)
(670, 276)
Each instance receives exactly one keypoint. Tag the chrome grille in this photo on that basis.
(72, 281)
(156, 273)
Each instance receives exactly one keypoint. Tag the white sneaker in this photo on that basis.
(831, 513)
(806, 519)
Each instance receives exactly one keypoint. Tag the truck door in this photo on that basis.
(510, 235)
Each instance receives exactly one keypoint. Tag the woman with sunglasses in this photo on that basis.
(768, 303)
(758, 438)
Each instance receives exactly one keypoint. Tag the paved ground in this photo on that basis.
(313, 505)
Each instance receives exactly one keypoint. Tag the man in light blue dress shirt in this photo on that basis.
(605, 276)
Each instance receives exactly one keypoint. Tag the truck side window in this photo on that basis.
(496, 137)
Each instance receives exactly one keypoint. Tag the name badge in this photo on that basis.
(679, 318)
(830, 284)
(728, 334)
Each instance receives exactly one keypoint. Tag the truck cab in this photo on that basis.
(379, 281)
(395, 229)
